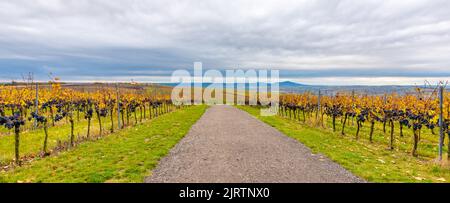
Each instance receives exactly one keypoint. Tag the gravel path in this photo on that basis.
(229, 145)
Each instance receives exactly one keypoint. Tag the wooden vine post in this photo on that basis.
(441, 120)
(119, 126)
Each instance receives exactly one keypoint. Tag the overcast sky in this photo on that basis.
(314, 42)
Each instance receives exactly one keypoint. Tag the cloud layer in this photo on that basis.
(78, 39)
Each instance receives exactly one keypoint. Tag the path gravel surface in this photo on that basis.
(228, 145)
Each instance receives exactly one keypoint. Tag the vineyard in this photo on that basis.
(39, 121)
(405, 121)
(397, 134)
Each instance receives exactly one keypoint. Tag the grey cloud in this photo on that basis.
(305, 38)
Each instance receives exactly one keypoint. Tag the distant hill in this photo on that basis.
(290, 84)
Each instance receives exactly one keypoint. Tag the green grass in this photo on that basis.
(126, 156)
(371, 161)
(31, 141)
